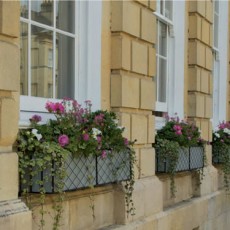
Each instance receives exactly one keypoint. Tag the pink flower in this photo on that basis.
(55, 107)
(99, 139)
(59, 107)
(126, 142)
(222, 140)
(63, 140)
(50, 106)
(177, 127)
(35, 118)
(178, 132)
(103, 154)
(85, 136)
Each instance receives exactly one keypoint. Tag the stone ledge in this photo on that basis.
(11, 207)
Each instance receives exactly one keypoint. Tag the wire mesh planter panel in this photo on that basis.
(115, 167)
(82, 172)
(218, 157)
(188, 159)
(196, 157)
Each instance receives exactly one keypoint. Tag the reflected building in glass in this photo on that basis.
(42, 75)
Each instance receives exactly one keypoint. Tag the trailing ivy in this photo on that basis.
(168, 150)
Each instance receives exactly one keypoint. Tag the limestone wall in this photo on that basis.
(128, 70)
(13, 213)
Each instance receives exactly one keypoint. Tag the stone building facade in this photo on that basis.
(122, 74)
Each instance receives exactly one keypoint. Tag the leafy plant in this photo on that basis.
(73, 130)
(176, 134)
(221, 150)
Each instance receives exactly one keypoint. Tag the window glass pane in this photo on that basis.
(65, 66)
(24, 8)
(168, 9)
(65, 15)
(42, 11)
(216, 6)
(41, 73)
(162, 80)
(158, 6)
(162, 7)
(24, 58)
(162, 39)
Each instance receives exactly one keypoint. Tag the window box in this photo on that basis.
(82, 172)
(218, 157)
(189, 159)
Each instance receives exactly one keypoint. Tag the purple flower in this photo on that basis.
(63, 140)
(103, 154)
(85, 136)
(99, 119)
(35, 118)
(126, 142)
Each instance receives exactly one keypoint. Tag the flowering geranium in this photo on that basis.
(79, 130)
(184, 133)
(222, 134)
(174, 141)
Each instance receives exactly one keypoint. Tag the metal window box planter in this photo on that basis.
(218, 158)
(82, 172)
(189, 159)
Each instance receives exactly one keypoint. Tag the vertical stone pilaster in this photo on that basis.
(200, 66)
(13, 213)
(133, 68)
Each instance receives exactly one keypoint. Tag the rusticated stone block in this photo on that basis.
(121, 53)
(139, 128)
(9, 18)
(125, 91)
(147, 94)
(9, 113)
(148, 25)
(9, 67)
(126, 17)
(139, 58)
(147, 162)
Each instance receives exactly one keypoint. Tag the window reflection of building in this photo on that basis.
(41, 74)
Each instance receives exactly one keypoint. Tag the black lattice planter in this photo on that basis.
(218, 157)
(115, 167)
(82, 172)
(189, 159)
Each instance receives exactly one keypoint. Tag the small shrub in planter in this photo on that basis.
(179, 147)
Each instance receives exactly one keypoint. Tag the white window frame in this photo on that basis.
(176, 56)
(87, 64)
(220, 66)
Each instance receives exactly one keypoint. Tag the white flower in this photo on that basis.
(226, 130)
(96, 132)
(36, 134)
(120, 127)
(217, 135)
(115, 121)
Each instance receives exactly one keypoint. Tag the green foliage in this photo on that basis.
(221, 150)
(175, 134)
(184, 133)
(76, 131)
(168, 150)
